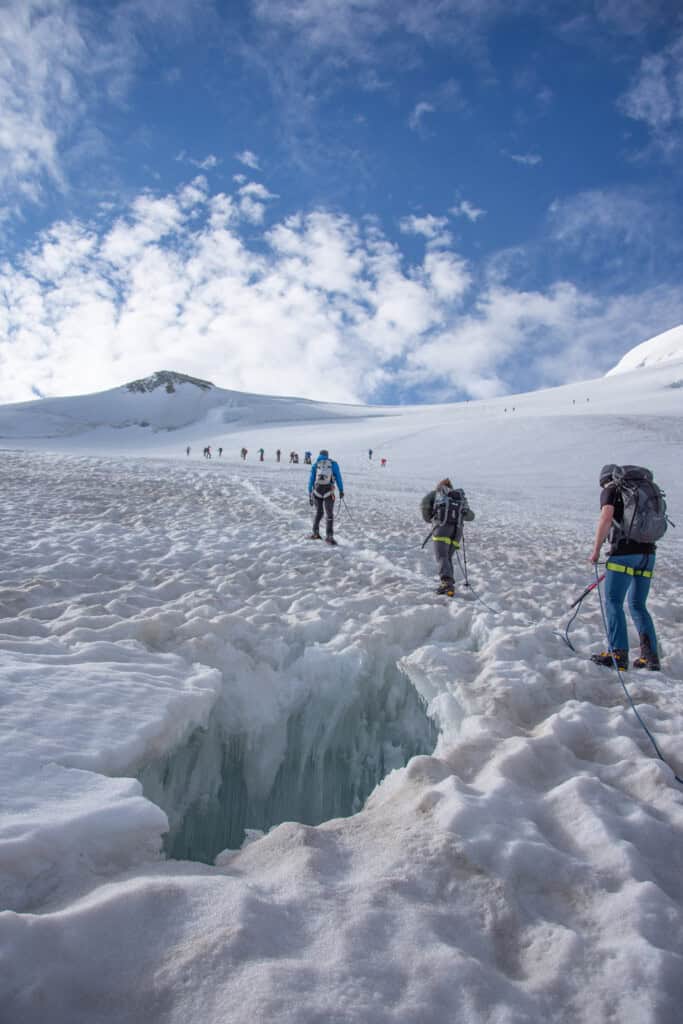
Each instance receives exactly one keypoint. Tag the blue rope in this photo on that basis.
(625, 689)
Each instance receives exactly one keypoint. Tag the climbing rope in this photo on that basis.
(564, 636)
(623, 684)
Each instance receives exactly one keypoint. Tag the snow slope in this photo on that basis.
(664, 348)
(172, 647)
(166, 401)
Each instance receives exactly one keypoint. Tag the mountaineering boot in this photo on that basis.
(446, 588)
(648, 659)
(315, 536)
(330, 540)
(608, 658)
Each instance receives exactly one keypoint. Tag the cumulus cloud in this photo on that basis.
(248, 158)
(466, 209)
(315, 304)
(429, 226)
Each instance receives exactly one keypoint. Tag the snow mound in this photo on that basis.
(663, 348)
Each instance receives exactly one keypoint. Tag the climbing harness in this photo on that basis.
(618, 567)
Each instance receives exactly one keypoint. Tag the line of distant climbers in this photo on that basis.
(293, 456)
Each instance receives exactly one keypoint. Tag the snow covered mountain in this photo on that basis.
(663, 348)
(246, 777)
(165, 401)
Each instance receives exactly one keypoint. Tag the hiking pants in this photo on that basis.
(619, 582)
(443, 552)
(325, 504)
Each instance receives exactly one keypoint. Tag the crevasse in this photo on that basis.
(320, 762)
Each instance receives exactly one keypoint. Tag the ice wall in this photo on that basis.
(321, 762)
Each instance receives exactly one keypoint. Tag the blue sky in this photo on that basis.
(358, 200)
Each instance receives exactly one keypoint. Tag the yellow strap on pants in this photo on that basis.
(448, 540)
(616, 567)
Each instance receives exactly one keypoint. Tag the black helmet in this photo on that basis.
(608, 473)
(324, 451)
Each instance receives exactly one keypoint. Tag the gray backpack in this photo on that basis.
(323, 473)
(645, 519)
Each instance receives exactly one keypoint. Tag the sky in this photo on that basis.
(352, 200)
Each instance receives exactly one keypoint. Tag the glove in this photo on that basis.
(341, 494)
(310, 499)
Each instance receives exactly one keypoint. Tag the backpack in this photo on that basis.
(645, 519)
(449, 507)
(323, 473)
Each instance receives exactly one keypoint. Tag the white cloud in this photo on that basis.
(418, 113)
(354, 28)
(248, 158)
(253, 197)
(527, 159)
(602, 214)
(429, 226)
(57, 61)
(317, 305)
(466, 209)
(656, 95)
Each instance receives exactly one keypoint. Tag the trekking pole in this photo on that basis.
(346, 508)
(591, 586)
(431, 531)
(464, 558)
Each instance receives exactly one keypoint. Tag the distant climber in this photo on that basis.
(325, 473)
(447, 509)
(187, 450)
(278, 453)
(261, 453)
(370, 454)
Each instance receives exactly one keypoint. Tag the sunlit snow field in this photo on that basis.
(180, 661)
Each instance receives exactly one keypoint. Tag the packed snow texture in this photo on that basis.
(530, 869)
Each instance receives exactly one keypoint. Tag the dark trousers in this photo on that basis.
(326, 505)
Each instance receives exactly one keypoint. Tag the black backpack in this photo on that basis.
(449, 507)
(645, 519)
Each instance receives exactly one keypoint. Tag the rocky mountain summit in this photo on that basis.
(167, 379)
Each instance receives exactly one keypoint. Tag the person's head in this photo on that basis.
(444, 485)
(607, 473)
(324, 453)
